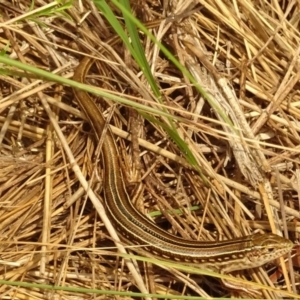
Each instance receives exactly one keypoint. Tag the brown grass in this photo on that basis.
(245, 55)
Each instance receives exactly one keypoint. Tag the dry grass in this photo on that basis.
(245, 54)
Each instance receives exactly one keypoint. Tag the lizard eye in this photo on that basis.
(271, 249)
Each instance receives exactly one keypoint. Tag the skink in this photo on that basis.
(222, 256)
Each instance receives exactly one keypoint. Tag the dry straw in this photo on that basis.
(244, 54)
